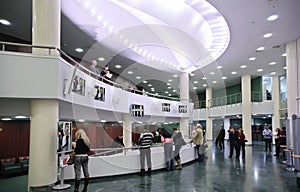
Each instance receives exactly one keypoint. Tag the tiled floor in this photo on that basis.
(260, 172)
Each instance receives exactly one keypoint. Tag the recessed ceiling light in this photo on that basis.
(252, 58)
(170, 80)
(284, 67)
(203, 78)
(170, 94)
(272, 18)
(272, 63)
(219, 67)
(101, 59)
(284, 55)
(267, 35)
(175, 75)
(214, 81)
(138, 77)
(4, 22)
(79, 50)
(118, 66)
(243, 66)
(149, 85)
(6, 119)
(259, 70)
(169, 87)
(224, 77)
(174, 91)
(212, 73)
(166, 92)
(145, 81)
(273, 73)
(81, 120)
(260, 49)
(195, 87)
(204, 85)
(233, 72)
(20, 117)
(152, 90)
(168, 83)
(103, 121)
(195, 82)
(130, 72)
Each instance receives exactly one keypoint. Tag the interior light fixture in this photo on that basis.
(81, 120)
(272, 18)
(20, 117)
(166, 92)
(260, 48)
(284, 67)
(243, 66)
(79, 50)
(138, 77)
(103, 121)
(129, 72)
(272, 63)
(203, 78)
(118, 66)
(149, 85)
(284, 55)
(101, 59)
(212, 73)
(224, 78)
(219, 67)
(168, 83)
(170, 80)
(267, 35)
(145, 81)
(214, 81)
(273, 73)
(6, 119)
(233, 72)
(174, 91)
(169, 87)
(175, 75)
(252, 58)
(195, 82)
(192, 74)
(169, 94)
(259, 70)
(195, 87)
(204, 85)
(4, 22)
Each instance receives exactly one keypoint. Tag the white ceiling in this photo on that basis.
(247, 22)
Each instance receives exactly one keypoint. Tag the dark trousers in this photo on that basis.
(145, 154)
(234, 146)
(277, 145)
(200, 152)
(221, 144)
(242, 147)
(268, 144)
(176, 152)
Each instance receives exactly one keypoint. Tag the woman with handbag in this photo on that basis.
(81, 159)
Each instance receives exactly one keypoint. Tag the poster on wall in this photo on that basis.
(64, 136)
(78, 85)
(99, 93)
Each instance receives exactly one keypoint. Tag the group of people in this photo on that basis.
(279, 137)
(105, 73)
(237, 140)
(145, 142)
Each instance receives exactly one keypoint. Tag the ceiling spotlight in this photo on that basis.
(6, 119)
(267, 35)
(81, 120)
(4, 22)
(272, 18)
(273, 73)
(272, 63)
(219, 67)
(252, 58)
(101, 59)
(260, 49)
(212, 73)
(145, 81)
(195, 87)
(129, 72)
(138, 77)
(233, 72)
(243, 66)
(195, 82)
(79, 50)
(284, 55)
(169, 87)
(118, 66)
(259, 70)
(224, 78)
(174, 90)
(170, 80)
(214, 81)
(284, 67)
(20, 117)
(203, 78)
(168, 83)
(149, 85)
(204, 85)
(175, 75)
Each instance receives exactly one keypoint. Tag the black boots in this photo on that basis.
(86, 182)
(149, 172)
(77, 182)
(76, 187)
(142, 172)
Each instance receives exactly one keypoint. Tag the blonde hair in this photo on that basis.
(80, 134)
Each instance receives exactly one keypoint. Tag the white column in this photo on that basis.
(46, 22)
(127, 130)
(293, 76)
(209, 127)
(43, 143)
(184, 98)
(276, 102)
(246, 107)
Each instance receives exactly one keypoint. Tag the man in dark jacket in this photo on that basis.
(234, 144)
(220, 138)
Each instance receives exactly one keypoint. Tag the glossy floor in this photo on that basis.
(259, 172)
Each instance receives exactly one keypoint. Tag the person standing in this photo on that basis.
(242, 141)
(276, 135)
(145, 142)
(220, 138)
(198, 141)
(81, 159)
(234, 145)
(93, 68)
(178, 142)
(167, 141)
(267, 134)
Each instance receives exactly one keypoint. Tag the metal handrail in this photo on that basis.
(76, 64)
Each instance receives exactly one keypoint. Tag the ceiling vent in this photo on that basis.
(276, 47)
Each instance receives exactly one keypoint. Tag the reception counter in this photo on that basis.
(119, 164)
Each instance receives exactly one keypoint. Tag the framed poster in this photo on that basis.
(64, 136)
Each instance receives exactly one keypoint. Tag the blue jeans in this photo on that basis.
(81, 161)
